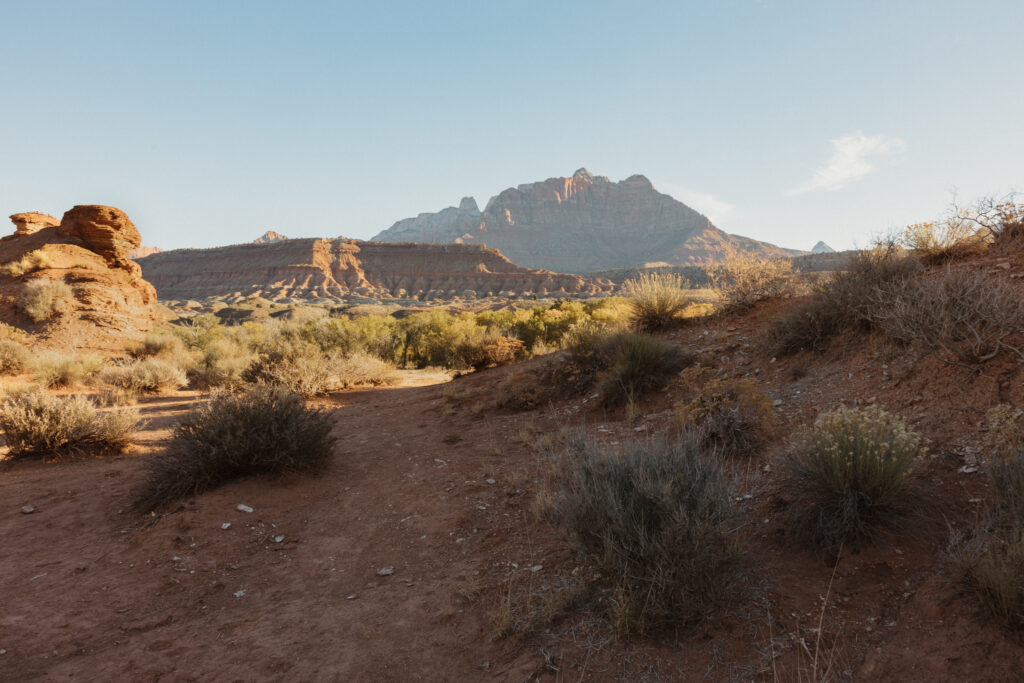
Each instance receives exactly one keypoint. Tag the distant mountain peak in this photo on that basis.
(469, 205)
(268, 237)
(822, 248)
(582, 224)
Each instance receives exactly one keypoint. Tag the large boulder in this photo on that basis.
(31, 222)
(105, 230)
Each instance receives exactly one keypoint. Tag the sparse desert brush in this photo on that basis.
(489, 350)
(362, 369)
(117, 396)
(30, 262)
(637, 364)
(266, 431)
(524, 390)
(963, 317)
(654, 522)
(949, 239)
(145, 376)
(851, 475)
(221, 363)
(167, 347)
(292, 363)
(1004, 447)
(55, 369)
(14, 357)
(733, 417)
(38, 424)
(45, 298)
(745, 280)
(991, 566)
(656, 300)
(843, 303)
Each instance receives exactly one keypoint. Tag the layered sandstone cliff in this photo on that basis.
(340, 269)
(109, 305)
(583, 224)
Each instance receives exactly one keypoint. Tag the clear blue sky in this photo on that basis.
(212, 122)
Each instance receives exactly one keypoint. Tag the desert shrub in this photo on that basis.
(14, 357)
(745, 280)
(1004, 446)
(734, 417)
(637, 364)
(656, 300)
(991, 566)
(524, 390)
(1005, 221)
(654, 523)
(963, 317)
(117, 396)
(32, 261)
(842, 303)
(361, 369)
(166, 347)
(146, 376)
(267, 430)
(949, 239)
(852, 474)
(38, 424)
(44, 298)
(489, 350)
(221, 363)
(54, 369)
(292, 363)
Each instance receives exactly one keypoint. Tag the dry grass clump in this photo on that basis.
(38, 424)
(637, 364)
(1004, 446)
(146, 376)
(44, 298)
(964, 317)
(30, 262)
(220, 364)
(54, 369)
(844, 303)
(297, 365)
(362, 369)
(656, 301)
(654, 523)
(14, 357)
(852, 474)
(117, 396)
(490, 350)
(745, 280)
(733, 417)
(992, 567)
(266, 430)
(950, 239)
(524, 390)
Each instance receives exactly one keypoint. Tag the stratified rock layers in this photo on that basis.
(337, 269)
(583, 224)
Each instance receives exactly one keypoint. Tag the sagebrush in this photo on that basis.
(267, 430)
(36, 423)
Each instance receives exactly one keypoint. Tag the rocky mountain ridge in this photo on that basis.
(322, 269)
(582, 224)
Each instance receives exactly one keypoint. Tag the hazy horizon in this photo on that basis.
(781, 121)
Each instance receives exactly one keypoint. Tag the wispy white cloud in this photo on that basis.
(718, 210)
(851, 155)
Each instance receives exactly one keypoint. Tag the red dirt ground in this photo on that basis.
(92, 591)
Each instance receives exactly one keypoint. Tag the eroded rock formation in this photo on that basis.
(338, 269)
(110, 305)
(32, 221)
(142, 252)
(582, 224)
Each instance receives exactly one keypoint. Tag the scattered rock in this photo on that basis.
(386, 571)
(278, 539)
(243, 508)
(27, 510)
(777, 402)
(225, 525)
(239, 594)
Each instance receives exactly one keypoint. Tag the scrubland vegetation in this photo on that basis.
(264, 431)
(44, 298)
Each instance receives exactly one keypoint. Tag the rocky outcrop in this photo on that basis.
(105, 230)
(32, 221)
(822, 248)
(111, 306)
(143, 252)
(268, 237)
(583, 224)
(344, 269)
